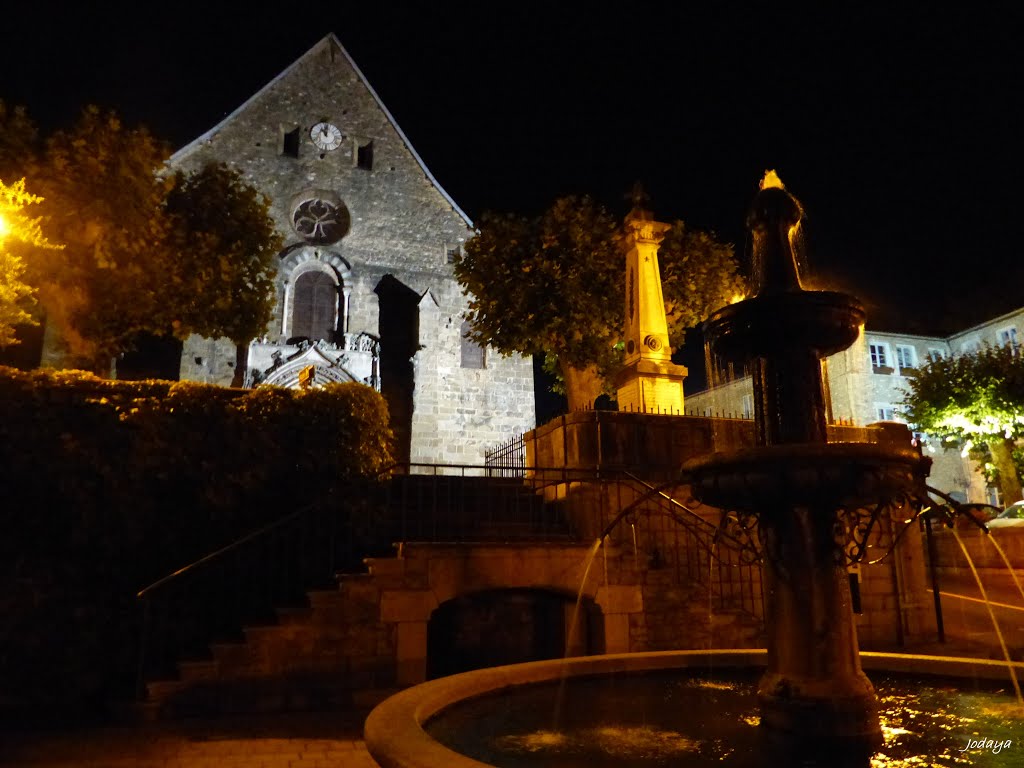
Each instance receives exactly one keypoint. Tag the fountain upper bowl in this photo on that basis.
(823, 321)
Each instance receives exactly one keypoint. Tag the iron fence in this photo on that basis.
(507, 459)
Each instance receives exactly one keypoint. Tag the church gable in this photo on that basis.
(318, 130)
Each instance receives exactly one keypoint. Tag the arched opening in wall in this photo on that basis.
(508, 626)
(314, 306)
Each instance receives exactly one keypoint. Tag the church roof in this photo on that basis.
(330, 39)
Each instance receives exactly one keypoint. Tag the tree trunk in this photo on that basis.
(582, 386)
(1009, 480)
(241, 364)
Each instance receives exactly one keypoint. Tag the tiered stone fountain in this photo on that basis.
(797, 485)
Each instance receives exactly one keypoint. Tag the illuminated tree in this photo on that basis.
(104, 201)
(972, 400)
(553, 285)
(18, 142)
(147, 253)
(222, 280)
(17, 231)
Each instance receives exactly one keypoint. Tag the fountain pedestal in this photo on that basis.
(814, 692)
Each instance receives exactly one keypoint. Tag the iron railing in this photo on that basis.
(507, 459)
(214, 597)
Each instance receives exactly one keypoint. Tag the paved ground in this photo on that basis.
(294, 740)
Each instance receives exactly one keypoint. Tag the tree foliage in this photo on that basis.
(224, 243)
(553, 284)
(973, 399)
(147, 252)
(19, 234)
(19, 142)
(104, 201)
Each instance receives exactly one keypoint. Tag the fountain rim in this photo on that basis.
(395, 736)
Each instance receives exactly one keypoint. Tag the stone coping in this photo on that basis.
(394, 731)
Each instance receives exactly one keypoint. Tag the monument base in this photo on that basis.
(647, 386)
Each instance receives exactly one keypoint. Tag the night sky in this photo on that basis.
(899, 130)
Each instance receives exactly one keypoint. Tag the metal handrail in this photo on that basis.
(215, 555)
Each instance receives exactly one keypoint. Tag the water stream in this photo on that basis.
(1006, 560)
(571, 636)
(992, 615)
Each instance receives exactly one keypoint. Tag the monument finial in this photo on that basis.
(638, 196)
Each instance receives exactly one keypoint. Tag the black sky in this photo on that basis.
(899, 129)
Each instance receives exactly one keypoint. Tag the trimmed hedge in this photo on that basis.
(110, 485)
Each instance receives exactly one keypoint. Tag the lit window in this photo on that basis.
(879, 355)
(472, 353)
(905, 356)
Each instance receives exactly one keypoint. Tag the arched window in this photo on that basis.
(472, 353)
(315, 306)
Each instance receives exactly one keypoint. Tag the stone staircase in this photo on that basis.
(334, 649)
(330, 653)
(357, 642)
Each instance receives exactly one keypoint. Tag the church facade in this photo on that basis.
(365, 285)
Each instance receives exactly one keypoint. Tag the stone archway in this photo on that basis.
(426, 576)
(507, 626)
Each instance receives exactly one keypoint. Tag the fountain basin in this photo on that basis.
(396, 738)
(827, 475)
(825, 322)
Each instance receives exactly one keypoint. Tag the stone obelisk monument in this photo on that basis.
(649, 382)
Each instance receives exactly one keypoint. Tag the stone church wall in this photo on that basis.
(391, 265)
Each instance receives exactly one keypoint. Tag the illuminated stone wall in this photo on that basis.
(401, 224)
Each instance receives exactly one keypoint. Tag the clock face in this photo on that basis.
(326, 136)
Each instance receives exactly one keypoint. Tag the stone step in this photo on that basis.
(160, 690)
(256, 635)
(232, 655)
(191, 671)
(295, 614)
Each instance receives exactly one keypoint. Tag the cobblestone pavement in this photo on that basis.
(293, 740)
